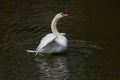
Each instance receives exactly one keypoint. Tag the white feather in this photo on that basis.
(31, 51)
(45, 40)
(54, 42)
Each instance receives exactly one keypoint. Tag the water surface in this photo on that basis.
(91, 28)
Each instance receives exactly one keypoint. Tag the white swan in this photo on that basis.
(54, 42)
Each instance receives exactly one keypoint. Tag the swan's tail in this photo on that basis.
(32, 51)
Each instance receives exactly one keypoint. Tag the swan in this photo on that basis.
(54, 42)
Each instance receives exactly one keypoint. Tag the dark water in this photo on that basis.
(92, 29)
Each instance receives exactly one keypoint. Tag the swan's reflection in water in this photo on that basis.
(52, 67)
(61, 67)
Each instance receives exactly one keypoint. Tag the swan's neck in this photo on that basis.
(54, 26)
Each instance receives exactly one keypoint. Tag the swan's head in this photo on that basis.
(60, 15)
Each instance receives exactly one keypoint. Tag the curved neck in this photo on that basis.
(54, 26)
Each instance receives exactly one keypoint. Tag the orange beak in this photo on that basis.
(65, 14)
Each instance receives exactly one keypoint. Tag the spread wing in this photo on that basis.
(45, 40)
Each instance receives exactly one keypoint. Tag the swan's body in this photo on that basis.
(54, 42)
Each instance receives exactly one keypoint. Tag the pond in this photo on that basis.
(92, 30)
